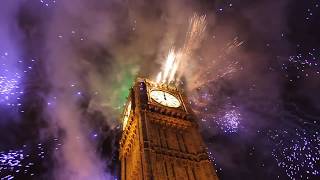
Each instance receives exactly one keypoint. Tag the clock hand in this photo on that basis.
(164, 95)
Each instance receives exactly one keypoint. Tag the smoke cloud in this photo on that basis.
(92, 51)
(11, 55)
(95, 50)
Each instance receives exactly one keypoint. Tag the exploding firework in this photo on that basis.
(195, 34)
(24, 162)
(9, 86)
(298, 153)
(48, 3)
(169, 69)
(14, 162)
(229, 122)
(219, 67)
(303, 64)
(175, 62)
(224, 118)
(10, 82)
(12, 158)
(13, 81)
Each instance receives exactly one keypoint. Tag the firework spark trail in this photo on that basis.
(175, 62)
(201, 79)
(176, 65)
(195, 35)
(170, 62)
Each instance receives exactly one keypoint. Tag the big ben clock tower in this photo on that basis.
(160, 139)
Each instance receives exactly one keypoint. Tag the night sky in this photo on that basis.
(252, 78)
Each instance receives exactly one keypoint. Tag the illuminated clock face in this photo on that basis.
(165, 98)
(126, 115)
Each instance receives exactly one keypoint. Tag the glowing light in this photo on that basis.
(169, 69)
(305, 64)
(195, 34)
(173, 72)
(47, 3)
(168, 66)
(173, 63)
(7, 86)
(11, 160)
(298, 153)
(165, 98)
(126, 115)
(23, 162)
(10, 82)
(230, 122)
(159, 76)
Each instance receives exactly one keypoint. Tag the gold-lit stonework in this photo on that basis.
(160, 138)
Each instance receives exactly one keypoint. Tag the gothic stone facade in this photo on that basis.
(160, 142)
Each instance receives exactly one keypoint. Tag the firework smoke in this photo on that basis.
(195, 35)
(10, 55)
(78, 158)
(176, 61)
(93, 50)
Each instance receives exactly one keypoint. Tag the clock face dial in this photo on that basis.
(165, 98)
(126, 115)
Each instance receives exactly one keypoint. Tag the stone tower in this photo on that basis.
(160, 139)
